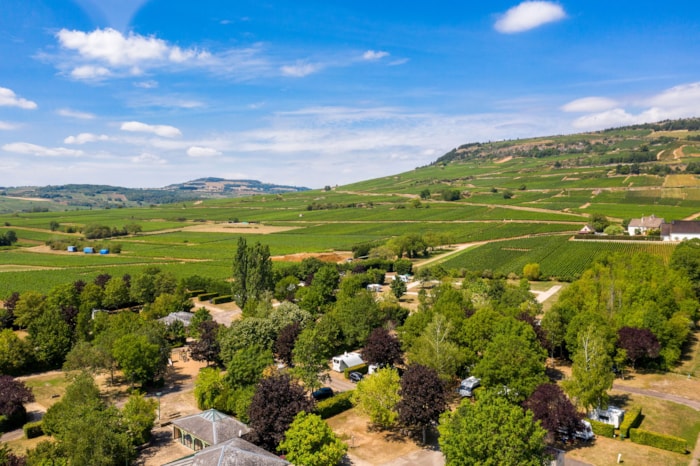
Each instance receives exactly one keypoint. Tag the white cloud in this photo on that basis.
(9, 99)
(590, 104)
(529, 15)
(5, 126)
(67, 112)
(151, 84)
(90, 72)
(372, 55)
(148, 159)
(198, 151)
(82, 138)
(677, 102)
(27, 148)
(300, 69)
(159, 130)
(398, 62)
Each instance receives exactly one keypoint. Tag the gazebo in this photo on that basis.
(207, 428)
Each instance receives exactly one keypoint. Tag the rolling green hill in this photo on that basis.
(474, 193)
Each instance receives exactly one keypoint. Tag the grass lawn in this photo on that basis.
(47, 386)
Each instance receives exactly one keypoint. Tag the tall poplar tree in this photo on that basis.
(252, 272)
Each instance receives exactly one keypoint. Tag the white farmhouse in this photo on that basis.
(679, 230)
(641, 226)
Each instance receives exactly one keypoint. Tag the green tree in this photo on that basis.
(435, 348)
(141, 359)
(309, 358)
(491, 431)
(209, 387)
(311, 442)
(139, 415)
(247, 366)
(531, 271)
(50, 338)
(252, 272)
(377, 397)
(29, 306)
(14, 353)
(116, 294)
(591, 372)
(398, 288)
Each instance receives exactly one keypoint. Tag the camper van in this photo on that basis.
(585, 433)
(612, 415)
(466, 388)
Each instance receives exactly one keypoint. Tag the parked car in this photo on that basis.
(322, 393)
(355, 376)
(466, 388)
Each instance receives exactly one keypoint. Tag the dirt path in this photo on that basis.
(661, 395)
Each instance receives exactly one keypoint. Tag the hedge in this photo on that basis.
(334, 405)
(193, 293)
(33, 429)
(633, 417)
(663, 441)
(602, 429)
(361, 368)
(222, 299)
(207, 296)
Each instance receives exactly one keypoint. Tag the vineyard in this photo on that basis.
(558, 256)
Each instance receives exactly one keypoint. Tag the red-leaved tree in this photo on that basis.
(639, 343)
(422, 397)
(552, 407)
(382, 348)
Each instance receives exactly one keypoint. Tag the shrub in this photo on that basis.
(633, 417)
(663, 441)
(222, 299)
(602, 429)
(3, 424)
(334, 405)
(33, 429)
(207, 296)
(403, 266)
(361, 368)
(193, 293)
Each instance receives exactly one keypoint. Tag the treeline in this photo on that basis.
(8, 238)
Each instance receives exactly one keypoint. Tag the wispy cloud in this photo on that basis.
(9, 99)
(83, 138)
(146, 158)
(373, 55)
(197, 151)
(529, 15)
(150, 84)
(26, 148)
(67, 112)
(5, 126)
(300, 69)
(159, 130)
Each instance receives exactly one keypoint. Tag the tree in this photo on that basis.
(208, 387)
(29, 306)
(276, 402)
(7, 458)
(491, 432)
(50, 337)
(116, 294)
(382, 348)
(247, 366)
(201, 315)
(435, 348)
(514, 363)
(425, 194)
(398, 288)
(311, 442)
(139, 416)
(639, 343)
(252, 272)
(422, 398)
(377, 397)
(599, 222)
(207, 347)
(14, 353)
(13, 395)
(286, 339)
(591, 372)
(550, 405)
(141, 359)
(309, 358)
(531, 271)
(554, 329)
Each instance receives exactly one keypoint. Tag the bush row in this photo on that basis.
(207, 296)
(361, 368)
(193, 293)
(334, 405)
(663, 441)
(33, 429)
(222, 299)
(602, 429)
(633, 417)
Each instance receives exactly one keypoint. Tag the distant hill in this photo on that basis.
(48, 198)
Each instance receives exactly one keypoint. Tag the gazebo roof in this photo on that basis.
(212, 426)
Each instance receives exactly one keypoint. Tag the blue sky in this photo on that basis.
(312, 93)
